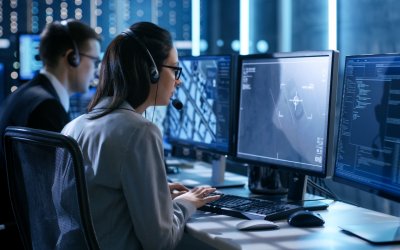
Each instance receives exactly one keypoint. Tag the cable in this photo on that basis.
(155, 100)
(323, 190)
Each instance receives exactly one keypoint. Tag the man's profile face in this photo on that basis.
(85, 72)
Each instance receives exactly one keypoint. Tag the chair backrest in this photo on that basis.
(47, 184)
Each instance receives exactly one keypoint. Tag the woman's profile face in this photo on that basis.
(167, 83)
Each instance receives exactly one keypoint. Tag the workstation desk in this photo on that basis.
(219, 231)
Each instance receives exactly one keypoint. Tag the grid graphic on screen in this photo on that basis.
(205, 94)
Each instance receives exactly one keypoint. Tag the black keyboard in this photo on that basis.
(250, 208)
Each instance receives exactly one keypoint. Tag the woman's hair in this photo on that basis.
(57, 38)
(126, 65)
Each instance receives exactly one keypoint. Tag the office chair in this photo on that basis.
(47, 184)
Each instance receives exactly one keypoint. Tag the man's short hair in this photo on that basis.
(57, 38)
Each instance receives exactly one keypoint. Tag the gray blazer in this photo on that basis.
(129, 195)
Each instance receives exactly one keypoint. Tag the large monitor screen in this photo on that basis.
(286, 110)
(28, 55)
(206, 93)
(368, 152)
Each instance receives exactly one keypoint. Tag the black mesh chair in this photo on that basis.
(47, 184)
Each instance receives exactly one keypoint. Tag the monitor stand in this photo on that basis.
(297, 187)
(282, 185)
(267, 180)
(214, 177)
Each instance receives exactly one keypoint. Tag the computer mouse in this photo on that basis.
(305, 218)
(248, 225)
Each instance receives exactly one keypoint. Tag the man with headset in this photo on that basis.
(70, 51)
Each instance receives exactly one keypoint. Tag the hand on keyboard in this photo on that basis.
(199, 196)
(250, 208)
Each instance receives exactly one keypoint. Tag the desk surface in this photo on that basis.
(219, 231)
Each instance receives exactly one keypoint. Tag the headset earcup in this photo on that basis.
(154, 75)
(73, 59)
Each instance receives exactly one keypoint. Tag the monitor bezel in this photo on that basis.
(19, 35)
(192, 145)
(340, 179)
(331, 123)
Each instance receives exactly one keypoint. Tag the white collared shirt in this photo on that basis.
(60, 89)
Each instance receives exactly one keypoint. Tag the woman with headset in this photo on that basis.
(133, 206)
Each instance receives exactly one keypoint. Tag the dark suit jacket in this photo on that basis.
(36, 105)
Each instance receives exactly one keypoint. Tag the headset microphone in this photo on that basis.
(177, 104)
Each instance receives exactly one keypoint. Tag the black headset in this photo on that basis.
(154, 74)
(73, 58)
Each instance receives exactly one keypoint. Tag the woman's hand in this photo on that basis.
(199, 196)
(177, 189)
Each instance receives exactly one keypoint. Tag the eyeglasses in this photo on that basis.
(95, 59)
(177, 70)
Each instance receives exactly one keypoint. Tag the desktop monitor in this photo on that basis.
(206, 91)
(286, 111)
(28, 55)
(369, 132)
(205, 124)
